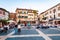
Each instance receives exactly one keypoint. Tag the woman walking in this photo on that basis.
(19, 27)
(29, 25)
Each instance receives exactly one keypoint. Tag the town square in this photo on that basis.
(29, 20)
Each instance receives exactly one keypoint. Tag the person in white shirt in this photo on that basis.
(19, 28)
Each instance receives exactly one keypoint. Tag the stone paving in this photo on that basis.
(32, 34)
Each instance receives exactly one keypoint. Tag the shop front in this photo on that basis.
(25, 22)
(55, 22)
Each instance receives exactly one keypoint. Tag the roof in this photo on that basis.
(26, 9)
(51, 8)
(4, 9)
(54, 19)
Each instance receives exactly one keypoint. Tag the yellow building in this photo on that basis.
(52, 15)
(26, 15)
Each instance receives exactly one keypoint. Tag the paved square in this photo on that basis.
(55, 37)
(9, 31)
(32, 34)
(26, 38)
(26, 32)
(50, 31)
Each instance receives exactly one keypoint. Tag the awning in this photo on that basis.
(54, 19)
(10, 21)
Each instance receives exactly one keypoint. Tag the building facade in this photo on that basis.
(51, 16)
(26, 15)
(12, 16)
(4, 14)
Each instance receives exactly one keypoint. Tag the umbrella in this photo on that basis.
(10, 21)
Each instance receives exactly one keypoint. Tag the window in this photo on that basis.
(58, 8)
(29, 11)
(19, 16)
(30, 14)
(19, 12)
(32, 11)
(26, 17)
(58, 14)
(50, 12)
(50, 16)
(54, 10)
(58, 22)
(22, 16)
(45, 18)
(3, 13)
(0, 12)
(46, 13)
(24, 12)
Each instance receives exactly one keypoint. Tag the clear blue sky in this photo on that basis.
(40, 5)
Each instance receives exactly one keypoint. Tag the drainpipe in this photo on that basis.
(54, 19)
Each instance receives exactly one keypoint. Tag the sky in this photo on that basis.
(40, 5)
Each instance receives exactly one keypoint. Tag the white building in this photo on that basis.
(4, 14)
(52, 15)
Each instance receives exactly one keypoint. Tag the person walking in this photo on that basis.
(19, 27)
(1, 29)
(29, 25)
(16, 25)
(38, 25)
(6, 27)
(25, 23)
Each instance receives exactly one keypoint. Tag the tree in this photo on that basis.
(4, 21)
